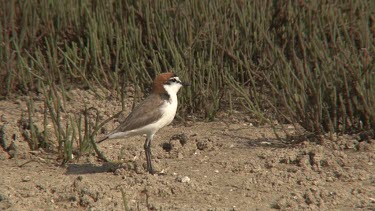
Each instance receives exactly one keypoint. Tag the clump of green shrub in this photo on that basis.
(306, 63)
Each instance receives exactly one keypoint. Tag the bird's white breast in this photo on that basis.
(168, 109)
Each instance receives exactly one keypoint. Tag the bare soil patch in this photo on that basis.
(228, 164)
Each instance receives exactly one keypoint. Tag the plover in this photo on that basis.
(155, 112)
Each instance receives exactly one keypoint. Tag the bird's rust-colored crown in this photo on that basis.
(160, 80)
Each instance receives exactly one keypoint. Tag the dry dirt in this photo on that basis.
(228, 164)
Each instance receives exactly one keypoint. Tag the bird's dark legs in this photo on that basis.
(147, 148)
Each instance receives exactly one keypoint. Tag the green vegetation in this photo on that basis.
(304, 62)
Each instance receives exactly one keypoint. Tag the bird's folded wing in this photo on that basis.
(147, 112)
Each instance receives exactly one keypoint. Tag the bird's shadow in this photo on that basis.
(88, 168)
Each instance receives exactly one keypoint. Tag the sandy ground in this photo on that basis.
(227, 164)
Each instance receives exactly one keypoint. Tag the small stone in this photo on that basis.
(184, 179)
(26, 179)
(329, 179)
(180, 155)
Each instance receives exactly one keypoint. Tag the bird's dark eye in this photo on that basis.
(173, 80)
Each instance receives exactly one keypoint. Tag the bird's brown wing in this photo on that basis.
(145, 113)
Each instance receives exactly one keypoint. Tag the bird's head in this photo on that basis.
(167, 83)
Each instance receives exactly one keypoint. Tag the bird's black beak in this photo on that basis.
(185, 84)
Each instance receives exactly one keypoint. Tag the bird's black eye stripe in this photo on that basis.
(173, 80)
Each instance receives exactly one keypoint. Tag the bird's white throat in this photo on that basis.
(172, 88)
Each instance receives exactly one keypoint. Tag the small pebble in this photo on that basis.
(26, 179)
(185, 179)
(329, 179)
